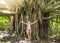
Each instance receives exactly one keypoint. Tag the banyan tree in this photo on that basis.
(31, 10)
(41, 10)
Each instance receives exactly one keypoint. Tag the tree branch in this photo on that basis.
(50, 16)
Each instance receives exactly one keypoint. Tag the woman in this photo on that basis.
(28, 28)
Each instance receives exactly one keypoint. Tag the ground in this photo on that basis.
(12, 39)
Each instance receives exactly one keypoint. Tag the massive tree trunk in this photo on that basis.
(32, 13)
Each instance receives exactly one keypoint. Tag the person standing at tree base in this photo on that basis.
(28, 28)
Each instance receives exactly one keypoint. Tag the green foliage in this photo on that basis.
(55, 27)
(4, 23)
